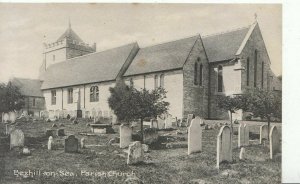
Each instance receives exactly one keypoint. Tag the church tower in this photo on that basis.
(67, 46)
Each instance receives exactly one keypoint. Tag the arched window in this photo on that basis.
(196, 73)
(162, 80)
(262, 74)
(94, 94)
(255, 68)
(201, 75)
(70, 95)
(155, 81)
(248, 71)
(220, 78)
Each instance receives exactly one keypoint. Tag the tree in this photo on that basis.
(231, 104)
(265, 104)
(10, 97)
(131, 104)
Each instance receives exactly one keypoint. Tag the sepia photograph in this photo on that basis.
(140, 93)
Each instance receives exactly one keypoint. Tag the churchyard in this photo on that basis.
(78, 155)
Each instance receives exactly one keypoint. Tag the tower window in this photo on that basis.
(196, 73)
(162, 80)
(255, 68)
(94, 94)
(220, 78)
(155, 81)
(262, 74)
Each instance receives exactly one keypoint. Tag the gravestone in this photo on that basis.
(71, 144)
(246, 135)
(7, 129)
(154, 123)
(161, 123)
(241, 135)
(12, 117)
(125, 136)
(150, 136)
(5, 117)
(224, 145)
(17, 138)
(168, 122)
(50, 132)
(135, 153)
(61, 132)
(82, 143)
(4, 145)
(195, 136)
(50, 143)
(189, 119)
(242, 153)
(263, 133)
(274, 141)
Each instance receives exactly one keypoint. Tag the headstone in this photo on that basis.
(135, 153)
(12, 116)
(50, 132)
(82, 143)
(61, 132)
(161, 123)
(189, 119)
(145, 148)
(246, 135)
(154, 123)
(50, 143)
(242, 153)
(195, 136)
(7, 129)
(241, 135)
(224, 145)
(168, 122)
(274, 141)
(17, 138)
(5, 117)
(71, 144)
(26, 151)
(150, 135)
(125, 136)
(54, 125)
(263, 133)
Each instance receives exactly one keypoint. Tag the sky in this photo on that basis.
(25, 27)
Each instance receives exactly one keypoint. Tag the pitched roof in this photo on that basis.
(224, 46)
(70, 34)
(28, 87)
(95, 67)
(166, 56)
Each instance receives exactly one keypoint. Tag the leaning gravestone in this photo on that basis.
(263, 133)
(5, 117)
(125, 136)
(241, 135)
(274, 141)
(17, 138)
(195, 136)
(246, 135)
(12, 117)
(224, 145)
(135, 153)
(71, 144)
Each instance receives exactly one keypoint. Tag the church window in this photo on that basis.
(94, 94)
(196, 73)
(262, 74)
(53, 97)
(248, 71)
(162, 80)
(70, 95)
(220, 78)
(255, 68)
(155, 81)
(201, 75)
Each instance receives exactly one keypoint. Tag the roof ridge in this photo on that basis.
(69, 60)
(170, 41)
(227, 31)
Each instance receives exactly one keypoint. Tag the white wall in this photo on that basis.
(173, 84)
(60, 55)
(85, 103)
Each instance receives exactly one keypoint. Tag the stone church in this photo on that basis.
(194, 71)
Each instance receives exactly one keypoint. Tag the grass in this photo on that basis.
(160, 166)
